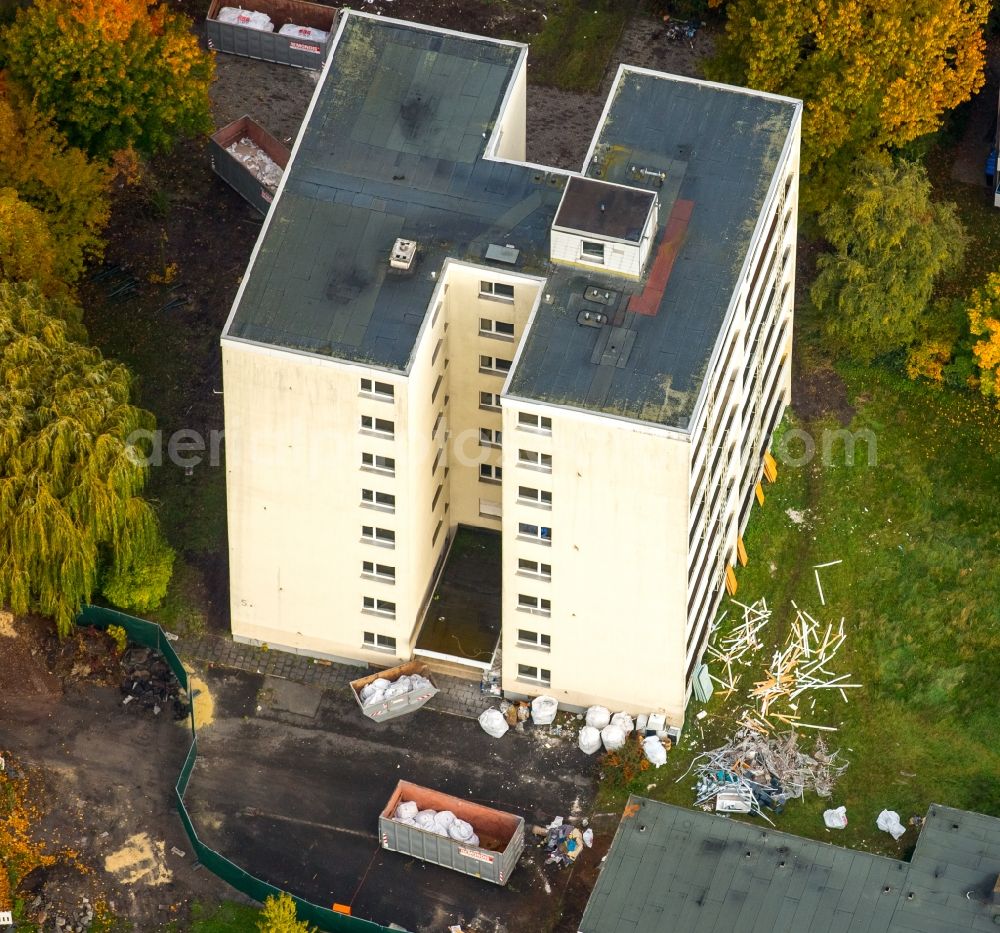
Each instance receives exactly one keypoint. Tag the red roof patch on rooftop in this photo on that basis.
(648, 301)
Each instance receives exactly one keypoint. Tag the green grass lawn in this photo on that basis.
(573, 49)
(226, 917)
(919, 539)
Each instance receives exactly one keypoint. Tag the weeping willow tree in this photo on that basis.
(70, 505)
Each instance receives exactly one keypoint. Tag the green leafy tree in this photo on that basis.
(58, 181)
(112, 73)
(278, 916)
(873, 74)
(140, 584)
(70, 483)
(890, 244)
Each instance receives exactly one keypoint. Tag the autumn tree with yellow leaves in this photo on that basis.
(112, 74)
(873, 74)
(984, 322)
(53, 207)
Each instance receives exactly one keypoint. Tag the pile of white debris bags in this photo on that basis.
(439, 822)
(604, 729)
(303, 32)
(257, 161)
(381, 689)
(239, 17)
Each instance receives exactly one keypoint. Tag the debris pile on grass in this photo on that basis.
(792, 678)
(753, 772)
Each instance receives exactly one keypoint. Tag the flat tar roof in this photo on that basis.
(672, 870)
(394, 147)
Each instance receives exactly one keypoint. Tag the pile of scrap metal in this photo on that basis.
(754, 772)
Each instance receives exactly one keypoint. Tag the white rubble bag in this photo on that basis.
(543, 710)
(888, 820)
(623, 720)
(589, 740)
(303, 32)
(460, 830)
(369, 690)
(247, 18)
(493, 723)
(598, 717)
(613, 737)
(655, 753)
(835, 818)
(425, 819)
(407, 810)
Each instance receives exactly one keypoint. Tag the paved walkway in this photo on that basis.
(457, 696)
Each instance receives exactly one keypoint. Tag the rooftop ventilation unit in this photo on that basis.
(591, 318)
(402, 255)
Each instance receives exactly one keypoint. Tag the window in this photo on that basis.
(380, 642)
(437, 495)
(382, 536)
(488, 437)
(377, 426)
(379, 389)
(496, 290)
(488, 508)
(529, 639)
(592, 252)
(534, 604)
(534, 568)
(381, 606)
(489, 473)
(383, 571)
(378, 500)
(437, 460)
(493, 364)
(378, 464)
(491, 328)
(535, 460)
(437, 387)
(437, 424)
(490, 400)
(538, 675)
(437, 531)
(533, 496)
(535, 532)
(437, 350)
(529, 422)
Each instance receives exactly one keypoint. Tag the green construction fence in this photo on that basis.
(150, 635)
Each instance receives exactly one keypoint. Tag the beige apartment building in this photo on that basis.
(433, 332)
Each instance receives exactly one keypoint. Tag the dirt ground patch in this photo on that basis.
(104, 774)
(819, 390)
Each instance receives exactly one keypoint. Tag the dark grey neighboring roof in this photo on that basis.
(603, 209)
(394, 148)
(672, 870)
